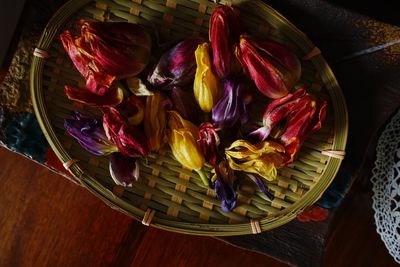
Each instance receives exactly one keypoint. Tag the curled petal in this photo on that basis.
(121, 49)
(97, 82)
(209, 142)
(90, 134)
(130, 141)
(231, 109)
(155, 120)
(224, 186)
(123, 170)
(113, 98)
(280, 109)
(262, 158)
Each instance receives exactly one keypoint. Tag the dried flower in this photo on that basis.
(231, 108)
(123, 170)
(90, 134)
(262, 158)
(225, 29)
(130, 141)
(206, 87)
(177, 66)
(303, 115)
(155, 120)
(106, 51)
(209, 142)
(184, 146)
(274, 68)
(113, 98)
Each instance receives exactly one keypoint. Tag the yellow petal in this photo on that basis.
(177, 122)
(185, 149)
(206, 86)
(261, 147)
(155, 121)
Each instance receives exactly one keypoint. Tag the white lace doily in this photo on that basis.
(386, 187)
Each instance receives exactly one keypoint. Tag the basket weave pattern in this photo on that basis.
(175, 196)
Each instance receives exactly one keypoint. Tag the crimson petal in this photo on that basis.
(111, 99)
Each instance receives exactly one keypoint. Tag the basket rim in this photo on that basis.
(267, 223)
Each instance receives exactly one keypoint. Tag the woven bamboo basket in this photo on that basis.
(168, 196)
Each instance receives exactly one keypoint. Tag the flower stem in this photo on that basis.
(207, 116)
(203, 177)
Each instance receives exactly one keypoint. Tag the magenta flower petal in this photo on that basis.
(97, 81)
(225, 29)
(273, 68)
(209, 141)
(177, 66)
(113, 98)
(120, 49)
(129, 139)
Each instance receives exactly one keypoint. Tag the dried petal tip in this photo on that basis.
(274, 68)
(225, 29)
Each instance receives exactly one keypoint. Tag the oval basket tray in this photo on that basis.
(168, 196)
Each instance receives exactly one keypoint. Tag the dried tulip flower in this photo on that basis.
(155, 120)
(107, 51)
(182, 139)
(123, 170)
(225, 29)
(129, 139)
(303, 114)
(90, 134)
(231, 109)
(206, 87)
(209, 142)
(273, 67)
(262, 158)
(177, 66)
